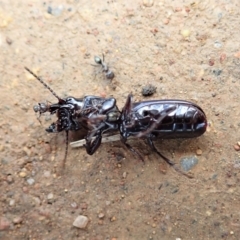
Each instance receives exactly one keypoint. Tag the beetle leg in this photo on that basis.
(127, 107)
(151, 144)
(94, 139)
(92, 145)
(124, 141)
(66, 151)
(170, 162)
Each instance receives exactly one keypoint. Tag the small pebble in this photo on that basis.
(101, 215)
(50, 196)
(208, 213)
(37, 201)
(4, 20)
(124, 175)
(113, 219)
(217, 72)
(237, 54)
(188, 163)
(236, 147)
(27, 151)
(4, 223)
(166, 21)
(199, 152)
(9, 179)
(148, 90)
(148, 3)
(49, 10)
(222, 57)
(8, 40)
(74, 205)
(11, 202)
(80, 222)
(22, 174)
(55, 11)
(30, 181)
(185, 33)
(17, 220)
(217, 44)
(211, 62)
(1, 148)
(238, 143)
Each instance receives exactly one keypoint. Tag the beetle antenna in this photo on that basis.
(66, 150)
(44, 84)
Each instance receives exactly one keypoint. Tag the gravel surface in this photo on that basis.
(188, 50)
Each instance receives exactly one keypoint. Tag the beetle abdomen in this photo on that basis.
(183, 119)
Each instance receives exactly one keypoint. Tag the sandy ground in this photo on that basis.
(189, 50)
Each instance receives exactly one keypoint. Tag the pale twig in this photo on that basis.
(105, 138)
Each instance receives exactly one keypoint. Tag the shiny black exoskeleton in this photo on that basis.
(166, 119)
(95, 114)
(162, 119)
(99, 115)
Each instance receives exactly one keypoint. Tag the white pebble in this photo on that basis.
(74, 205)
(148, 3)
(17, 220)
(185, 33)
(217, 44)
(80, 222)
(11, 202)
(50, 196)
(30, 181)
(22, 174)
(37, 201)
(101, 215)
(208, 213)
